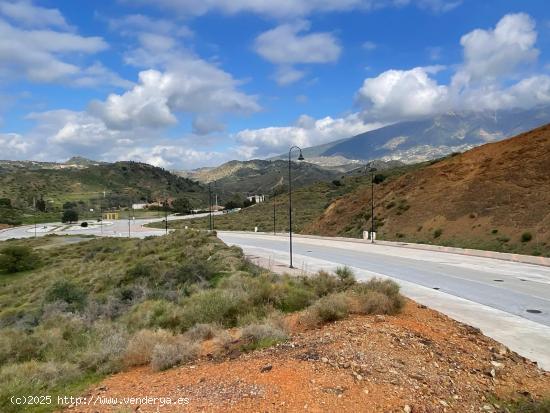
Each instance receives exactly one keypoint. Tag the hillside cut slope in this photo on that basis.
(496, 196)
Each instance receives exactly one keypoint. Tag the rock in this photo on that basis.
(497, 365)
(407, 409)
(266, 368)
(379, 318)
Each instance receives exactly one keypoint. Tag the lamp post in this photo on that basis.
(166, 216)
(372, 171)
(274, 230)
(210, 206)
(300, 158)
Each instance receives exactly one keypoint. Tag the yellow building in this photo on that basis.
(110, 215)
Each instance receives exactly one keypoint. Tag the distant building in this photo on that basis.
(256, 198)
(217, 208)
(111, 215)
(139, 206)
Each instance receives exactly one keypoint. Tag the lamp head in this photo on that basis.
(301, 157)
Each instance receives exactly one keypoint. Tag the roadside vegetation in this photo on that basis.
(70, 314)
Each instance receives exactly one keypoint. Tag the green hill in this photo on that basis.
(88, 184)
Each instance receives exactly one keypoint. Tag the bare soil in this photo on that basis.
(417, 361)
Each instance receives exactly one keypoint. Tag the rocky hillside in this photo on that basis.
(496, 196)
(262, 176)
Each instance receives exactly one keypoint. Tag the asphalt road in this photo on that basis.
(112, 228)
(514, 288)
(508, 301)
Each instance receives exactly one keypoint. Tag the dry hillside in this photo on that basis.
(496, 196)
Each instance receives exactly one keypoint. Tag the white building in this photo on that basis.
(139, 206)
(256, 198)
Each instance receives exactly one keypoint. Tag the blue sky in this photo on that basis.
(189, 83)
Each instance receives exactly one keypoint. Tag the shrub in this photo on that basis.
(526, 237)
(345, 276)
(202, 331)
(68, 292)
(494, 231)
(140, 347)
(322, 283)
(18, 258)
(139, 270)
(167, 355)
(84, 224)
(195, 271)
(155, 314)
(330, 308)
(438, 232)
(213, 306)
(378, 296)
(296, 298)
(259, 336)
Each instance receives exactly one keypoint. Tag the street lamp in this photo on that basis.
(372, 171)
(300, 158)
(210, 206)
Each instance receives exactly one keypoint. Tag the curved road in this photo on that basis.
(509, 301)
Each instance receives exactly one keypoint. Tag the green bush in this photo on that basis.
(259, 336)
(438, 232)
(296, 298)
(345, 276)
(331, 308)
(69, 215)
(378, 296)
(155, 314)
(16, 258)
(526, 237)
(68, 292)
(213, 306)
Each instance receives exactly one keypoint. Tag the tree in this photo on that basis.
(40, 204)
(69, 215)
(17, 258)
(5, 202)
(181, 205)
(69, 205)
(236, 201)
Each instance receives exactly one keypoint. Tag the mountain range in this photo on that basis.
(429, 138)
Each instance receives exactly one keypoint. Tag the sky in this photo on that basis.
(183, 84)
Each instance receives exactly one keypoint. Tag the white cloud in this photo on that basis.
(286, 75)
(285, 9)
(13, 146)
(397, 94)
(190, 86)
(489, 54)
(129, 24)
(306, 132)
(38, 45)
(27, 14)
(368, 45)
(492, 61)
(287, 44)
